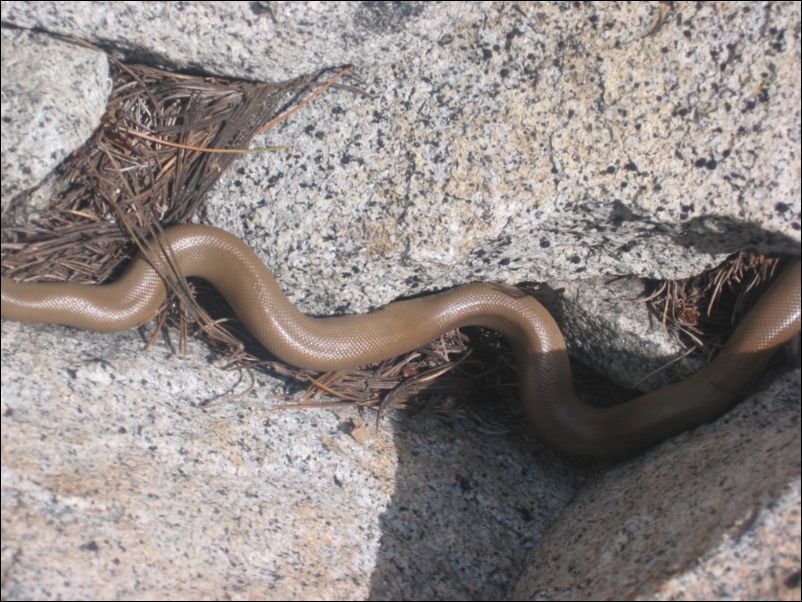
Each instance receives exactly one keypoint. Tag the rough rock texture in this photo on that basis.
(518, 142)
(115, 484)
(256, 40)
(502, 141)
(536, 143)
(712, 514)
(608, 326)
(54, 95)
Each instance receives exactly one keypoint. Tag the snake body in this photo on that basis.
(342, 342)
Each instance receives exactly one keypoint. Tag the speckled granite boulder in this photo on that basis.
(54, 95)
(517, 142)
(502, 141)
(117, 485)
(537, 143)
(710, 515)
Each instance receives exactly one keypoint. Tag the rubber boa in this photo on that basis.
(342, 342)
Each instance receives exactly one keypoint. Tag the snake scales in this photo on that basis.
(342, 342)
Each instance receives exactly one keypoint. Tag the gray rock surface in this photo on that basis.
(254, 40)
(711, 514)
(535, 144)
(116, 484)
(512, 142)
(608, 326)
(516, 142)
(54, 95)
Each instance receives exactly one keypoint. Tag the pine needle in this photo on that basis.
(200, 149)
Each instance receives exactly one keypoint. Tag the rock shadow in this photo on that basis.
(468, 508)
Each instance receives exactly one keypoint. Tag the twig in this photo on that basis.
(201, 149)
(324, 86)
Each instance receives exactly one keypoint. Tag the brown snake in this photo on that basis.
(337, 343)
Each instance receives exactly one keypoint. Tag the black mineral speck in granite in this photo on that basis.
(464, 483)
(260, 8)
(510, 36)
(445, 40)
(792, 580)
(384, 17)
(710, 164)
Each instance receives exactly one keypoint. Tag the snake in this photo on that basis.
(546, 390)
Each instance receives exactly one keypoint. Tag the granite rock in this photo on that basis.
(501, 141)
(117, 484)
(515, 151)
(609, 328)
(515, 142)
(711, 514)
(53, 97)
(253, 40)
